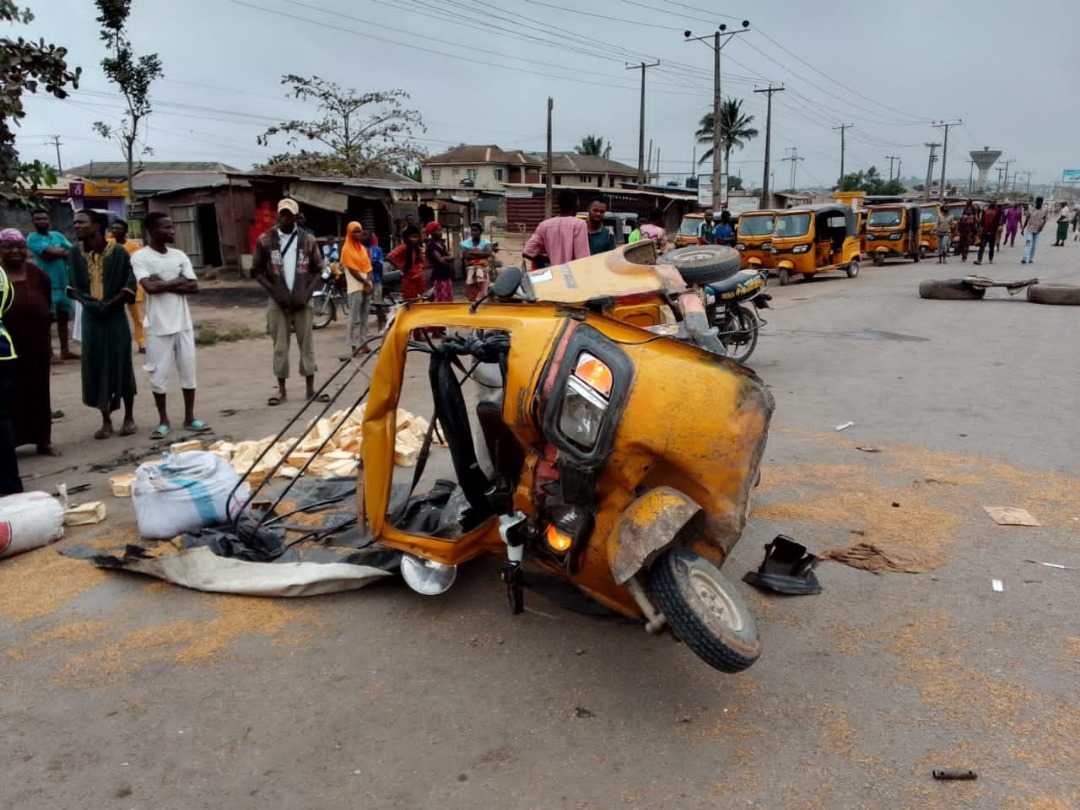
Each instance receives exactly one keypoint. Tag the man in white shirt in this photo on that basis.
(287, 263)
(166, 276)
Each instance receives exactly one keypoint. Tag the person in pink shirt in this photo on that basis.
(559, 239)
(1012, 224)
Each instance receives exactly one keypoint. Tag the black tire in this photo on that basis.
(950, 289)
(738, 331)
(704, 610)
(853, 269)
(1061, 294)
(879, 260)
(703, 264)
(324, 312)
(785, 276)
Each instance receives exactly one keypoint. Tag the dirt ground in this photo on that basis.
(121, 691)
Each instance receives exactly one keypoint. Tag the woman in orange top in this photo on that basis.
(408, 257)
(357, 266)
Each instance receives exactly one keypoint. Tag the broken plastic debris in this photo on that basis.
(1053, 565)
(1011, 516)
(955, 773)
(997, 585)
(867, 448)
(844, 426)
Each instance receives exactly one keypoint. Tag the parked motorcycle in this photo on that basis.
(738, 325)
(331, 297)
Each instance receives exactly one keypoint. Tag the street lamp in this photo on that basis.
(719, 39)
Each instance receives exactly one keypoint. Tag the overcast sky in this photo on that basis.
(480, 71)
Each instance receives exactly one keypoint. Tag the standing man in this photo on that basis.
(118, 231)
(943, 230)
(166, 275)
(1034, 222)
(725, 230)
(561, 238)
(101, 280)
(478, 255)
(601, 240)
(1064, 215)
(707, 230)
(375, 256)
(287, 264)
(990, 224)
(51, 251)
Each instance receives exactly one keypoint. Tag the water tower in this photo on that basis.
(984, 160)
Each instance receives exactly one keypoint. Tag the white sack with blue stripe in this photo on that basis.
(184, 493)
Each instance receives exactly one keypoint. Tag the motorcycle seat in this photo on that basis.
(728, 289)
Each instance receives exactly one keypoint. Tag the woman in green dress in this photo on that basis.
(102, 281)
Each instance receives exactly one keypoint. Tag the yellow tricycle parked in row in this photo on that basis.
(893, 231)
(816, 239)
(753, 240)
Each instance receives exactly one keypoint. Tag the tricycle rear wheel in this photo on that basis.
(705, 610)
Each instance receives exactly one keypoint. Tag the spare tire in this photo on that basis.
(950, 289)
(703, 264)
(1064, 294)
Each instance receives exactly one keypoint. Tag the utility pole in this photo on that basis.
(1005, 185)
(891, 158)
(547, 174)
(55, 141)
(641, 123)
(999, 170)
(930, 167)
(793, 156)
(768, 91)
(899, 164)
(649, 164)
(719, 40)
(843, 129)
(971, 176)
(658, 163)
(945, 148)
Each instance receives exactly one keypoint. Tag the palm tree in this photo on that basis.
(593, 145)
(735, 129)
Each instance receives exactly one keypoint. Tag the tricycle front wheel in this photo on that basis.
(705, 610)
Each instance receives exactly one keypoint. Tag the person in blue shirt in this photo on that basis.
(478, 254)
(375, 254)
(50, 250)
(725, 230)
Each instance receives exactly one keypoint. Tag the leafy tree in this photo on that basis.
(26, 67)
(871, 182)
(357, 131)
(132, 76)
(735, 182)
(735, 129)
(593, 145)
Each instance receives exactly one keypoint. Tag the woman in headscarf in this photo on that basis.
(357, 264)
(408, 257)
(10, 483)
(442, 266)
(102, 281)
(27, 322)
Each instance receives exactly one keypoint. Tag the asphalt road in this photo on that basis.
(124, 692)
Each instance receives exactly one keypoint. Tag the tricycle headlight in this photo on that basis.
(740, 246)
(895, 237)
(800, 249)
(585, 401)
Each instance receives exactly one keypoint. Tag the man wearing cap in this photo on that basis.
(287, 264)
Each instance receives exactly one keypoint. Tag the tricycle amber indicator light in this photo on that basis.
(594, 373)
(557, 540)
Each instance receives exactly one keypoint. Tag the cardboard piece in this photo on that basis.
(85, 514)
(1011, 516)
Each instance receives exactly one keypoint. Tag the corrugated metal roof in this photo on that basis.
(165, 181)
(117, 170)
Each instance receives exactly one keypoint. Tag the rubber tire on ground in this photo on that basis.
(950, 289)
(703, 264)
(324, 312)
(879, 260)
(785, 276)
(1062, 294)
(744, 321)
(853, 269)
(729, 646)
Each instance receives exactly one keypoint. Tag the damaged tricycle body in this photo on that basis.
(594, 464)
